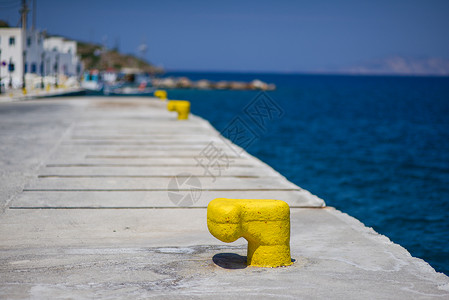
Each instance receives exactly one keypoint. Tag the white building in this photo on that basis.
(54, 56)
(61, 58)
(11, 56)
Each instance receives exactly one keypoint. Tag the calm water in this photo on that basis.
(374, 147)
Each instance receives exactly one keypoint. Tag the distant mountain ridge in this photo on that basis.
(400, 65)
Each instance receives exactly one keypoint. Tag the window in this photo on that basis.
(12, 41)
(29, 42)
(33, 68)
(11, 67)
(26, 68)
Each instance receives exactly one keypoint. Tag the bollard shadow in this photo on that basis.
(230, 261)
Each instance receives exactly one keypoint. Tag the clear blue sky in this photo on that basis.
(283, 36)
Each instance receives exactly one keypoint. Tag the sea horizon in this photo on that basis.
(305, 73)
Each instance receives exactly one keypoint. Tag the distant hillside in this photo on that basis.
(4, 24)
(399, 65)
(94, 57)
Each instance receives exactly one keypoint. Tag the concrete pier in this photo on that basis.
(105, 198)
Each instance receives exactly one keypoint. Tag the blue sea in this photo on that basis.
(374, 147)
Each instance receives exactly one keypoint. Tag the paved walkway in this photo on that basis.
(14, 95)
(113, 211)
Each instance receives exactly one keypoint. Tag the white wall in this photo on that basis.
(11, 54)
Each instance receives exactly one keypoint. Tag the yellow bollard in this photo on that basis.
(24, 91)
(47, 88)
(161, 94)
(265, 224)
(182, 107)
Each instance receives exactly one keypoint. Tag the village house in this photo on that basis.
(35, 55)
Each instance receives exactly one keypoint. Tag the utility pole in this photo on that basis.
(42, 69)
(33, 27)
(24, 12)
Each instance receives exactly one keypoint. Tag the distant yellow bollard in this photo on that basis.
(24, 91)
(265, 224)
(47, 88)
(182, 107)
(161, 94)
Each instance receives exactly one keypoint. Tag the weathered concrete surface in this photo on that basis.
(89, 219)
(29, 132)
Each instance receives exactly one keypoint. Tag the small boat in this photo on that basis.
(92, 81)
(131, 82)
(130, 90)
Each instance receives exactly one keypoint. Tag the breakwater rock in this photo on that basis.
(186, 83)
